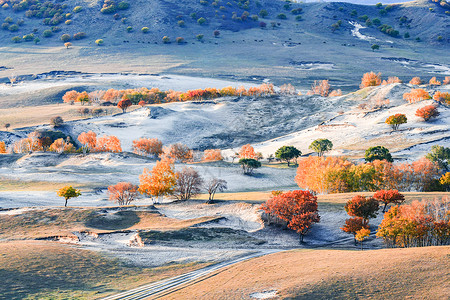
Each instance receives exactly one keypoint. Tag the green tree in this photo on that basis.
(321, 146)
(263, 13)
(287, 153)
(396, 120)
(201, 21)
(68, 192)
(375, 47)
(378, 152)
(441, 155)
(249, 164)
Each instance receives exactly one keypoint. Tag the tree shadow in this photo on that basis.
(114, 221)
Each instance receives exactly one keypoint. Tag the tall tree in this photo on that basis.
(123, 193)
(214, 185)
(378, 152)
(360, 206)
(321, 146)
(248, 165)
(160, 181)
(287, 153)
(68, 192)
(389, 197)
(189, 184)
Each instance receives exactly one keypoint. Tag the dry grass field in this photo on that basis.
(413, 273)
(48, 270)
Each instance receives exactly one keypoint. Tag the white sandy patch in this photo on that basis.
(359, 35)
(264, 295)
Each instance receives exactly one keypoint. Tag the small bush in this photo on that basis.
(296, 11)
(201, 21)
(166, 40)
(427, 112)
(28, 37)
(216, 33)
(37, 41)
(129, 29)
(77, 9)
(47, 33)
(298, 18)
(56, 29)
(65, 37)
(8, 20)
(79, 35)
(181, 23)
(145, 29)
(13, 28)
(68, 22)
(199, 37)
(281, 16)
(180, 40)
(68, 16)
(262, 24)
(123, 5)
(99, 42)
(16, 39)
(263, 13)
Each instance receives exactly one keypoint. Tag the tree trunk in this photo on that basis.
(384, 208)
(288, 163)
(301, 238)
(362, 245)
(65, 205)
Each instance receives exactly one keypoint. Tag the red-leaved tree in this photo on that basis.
(427, 112)
(389, 197)
(123, 193)
(297, 208)
(362, 207)
(124, 104)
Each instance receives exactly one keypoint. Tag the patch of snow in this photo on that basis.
(359, 35)
(264, 295)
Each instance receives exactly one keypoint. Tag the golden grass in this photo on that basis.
(45, 223)
(48, 270)
(414, 273)
(9, 185)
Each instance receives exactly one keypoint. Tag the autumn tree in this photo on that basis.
(70, 96)
(443, 97)
(396, 120)
(123, 193)
(353, 225)
(214, 185)
(445, 181)
(320, 146)
(320, 87)
(427, 112)
(416, 81)
(434, 81)
(378, 152)
(108, 143)
(287, 153)
(124, 104)
(62, 145)
(68, 192)
(212, 155)
(83, 98)
(389, 197)
(362, 235)
(370, 79)
(248, 165)
(360, 206)
(179, 152)
(416, 95)
(149, 147)
(2, 148)
(439, 155)
(88, 140)
(159, 181)
(189, 184)
(247, 151)
(297, 208)
(56, 121)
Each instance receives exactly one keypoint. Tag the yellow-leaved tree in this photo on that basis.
(160, 181)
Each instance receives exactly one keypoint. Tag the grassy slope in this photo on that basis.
(47, 270)
(62, 222)
(333, 274)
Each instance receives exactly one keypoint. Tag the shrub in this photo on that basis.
(248, 165)
(145, 30)
(179, 40)
(181, 23)
(296, 11)
(378, 152)
(123, 5)
(8, 20)
(212, 155)
(442, 97)
(262, 24)
(427, 112)
(375, 47)
(263, 13)
(65, 37)
(370, 79)
(13, 28)
(56, 29)
(201, 21)
(353, 13)
(298, 18)
(416, 95)
(47, 33)
(199, 37)
(216, 33)
(376, 22)
(68, 15)
(254, 18)
(281, 16)
(129, 29)
(77, 9)
(79, 35)
(16, 39)
(99, 42)
(396, 120)
(28, 37)
(56, 121)
(37, 41)
(179, 152)
(415, 81)
(434, 81)
(166, 39)
(68, 22)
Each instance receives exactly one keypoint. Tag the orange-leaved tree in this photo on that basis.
(159, 181)
(396, 120)
(62, 145)
(212, 155)
(427, 112)
(179, 152)
(297, 208)
(2, 148)
(389, 197)
(247, 151)
(442, 97)
(416, 81)
(362, 207)
(353, 225)
(124, 104)
(70, 96)
(320, 87)
(416, 95)
(149, 147)
(370, 79)
(123, 193)
(108, 143)
(434, 81)
(88, 140)
(446, 80)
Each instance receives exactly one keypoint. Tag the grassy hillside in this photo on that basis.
(333, 274)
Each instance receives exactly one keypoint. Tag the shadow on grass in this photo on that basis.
(116, 221)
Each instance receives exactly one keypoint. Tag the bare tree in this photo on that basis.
(12, 79)
(215, 185)
(95, 97)
(189, 184)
